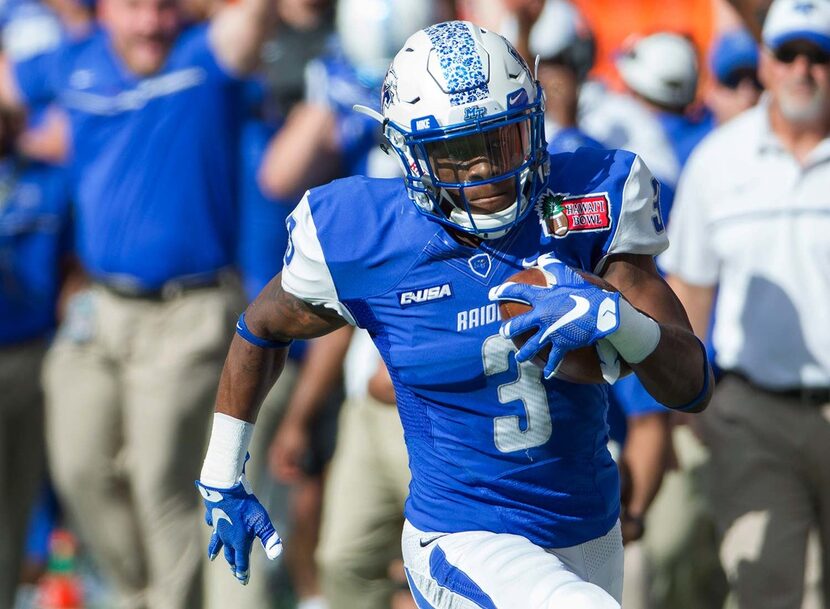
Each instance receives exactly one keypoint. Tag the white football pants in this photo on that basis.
(483, 570)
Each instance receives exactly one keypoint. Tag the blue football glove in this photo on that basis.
(567, 314)
(237, 516)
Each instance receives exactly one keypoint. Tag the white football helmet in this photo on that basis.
(457, 92)
(372, 31)
(662, 68)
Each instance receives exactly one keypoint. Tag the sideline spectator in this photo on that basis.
(153, 108)
(752, 218)
(34, 248)
(300, 35)
(558, 35)
(661, 71)
(734, 64)
(682, 556)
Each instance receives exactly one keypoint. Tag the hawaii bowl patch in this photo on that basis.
(563, 214)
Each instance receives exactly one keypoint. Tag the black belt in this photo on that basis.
(811, 396)
(170, 289)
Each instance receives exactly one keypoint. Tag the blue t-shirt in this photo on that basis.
(154, 159)
(685, 132)
(333, 82)
(34, 236)
(492, 444)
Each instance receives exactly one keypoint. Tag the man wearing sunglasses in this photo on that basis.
(752, 216)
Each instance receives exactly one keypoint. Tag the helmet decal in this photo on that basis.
(389, 91)
(466, 81)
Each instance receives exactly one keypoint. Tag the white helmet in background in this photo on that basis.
(560, 34)
(372, 31)
(455, 92)
(663, 68)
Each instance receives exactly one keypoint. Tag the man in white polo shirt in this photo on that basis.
(752, 216)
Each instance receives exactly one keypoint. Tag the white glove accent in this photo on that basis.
(228, 447)
(273, 547)
(638, 334)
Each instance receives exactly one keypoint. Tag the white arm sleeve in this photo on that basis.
(306, 274)
(691, 257)
(640, 227)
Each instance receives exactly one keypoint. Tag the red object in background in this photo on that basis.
(612, 21)
(61, 588)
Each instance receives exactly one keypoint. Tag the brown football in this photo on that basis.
(580, 365)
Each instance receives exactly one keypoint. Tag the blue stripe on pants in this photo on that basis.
(451, 577)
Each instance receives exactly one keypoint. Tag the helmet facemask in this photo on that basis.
(454, 173)
(467, 125)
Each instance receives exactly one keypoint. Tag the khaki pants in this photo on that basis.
(680, 545)
(21, 455)
(222, 589)
(130, 385)
(770, 488)
(366, 487)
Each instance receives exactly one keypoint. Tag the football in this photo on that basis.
(578, 366)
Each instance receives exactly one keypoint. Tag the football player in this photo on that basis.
(514, 499)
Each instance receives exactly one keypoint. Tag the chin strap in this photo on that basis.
(483, 222)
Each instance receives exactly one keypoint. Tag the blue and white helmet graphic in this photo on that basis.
(456, 92)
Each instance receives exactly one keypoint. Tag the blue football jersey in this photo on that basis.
(492, 444)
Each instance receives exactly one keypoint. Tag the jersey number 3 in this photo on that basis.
(527, 388)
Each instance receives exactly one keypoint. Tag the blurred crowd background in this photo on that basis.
(128, 247)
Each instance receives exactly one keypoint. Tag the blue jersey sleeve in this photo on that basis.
(40, 78)
(331, 82)
(601, 203)
(195, 48)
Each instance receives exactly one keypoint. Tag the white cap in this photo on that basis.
(798, 20)
(372, 31)
(559, 25)
(662, 68)
(560, 32)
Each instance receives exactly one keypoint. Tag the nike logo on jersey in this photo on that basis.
(425, 542)
(607, 316)
(580, 308)
(210, 495)
(216, 515)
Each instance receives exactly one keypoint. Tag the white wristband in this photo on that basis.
(226, 451)
(637, 336)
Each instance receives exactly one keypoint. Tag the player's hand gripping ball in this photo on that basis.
(557, 317)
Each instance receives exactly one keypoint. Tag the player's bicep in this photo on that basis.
(637, 278)
(279, 315)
